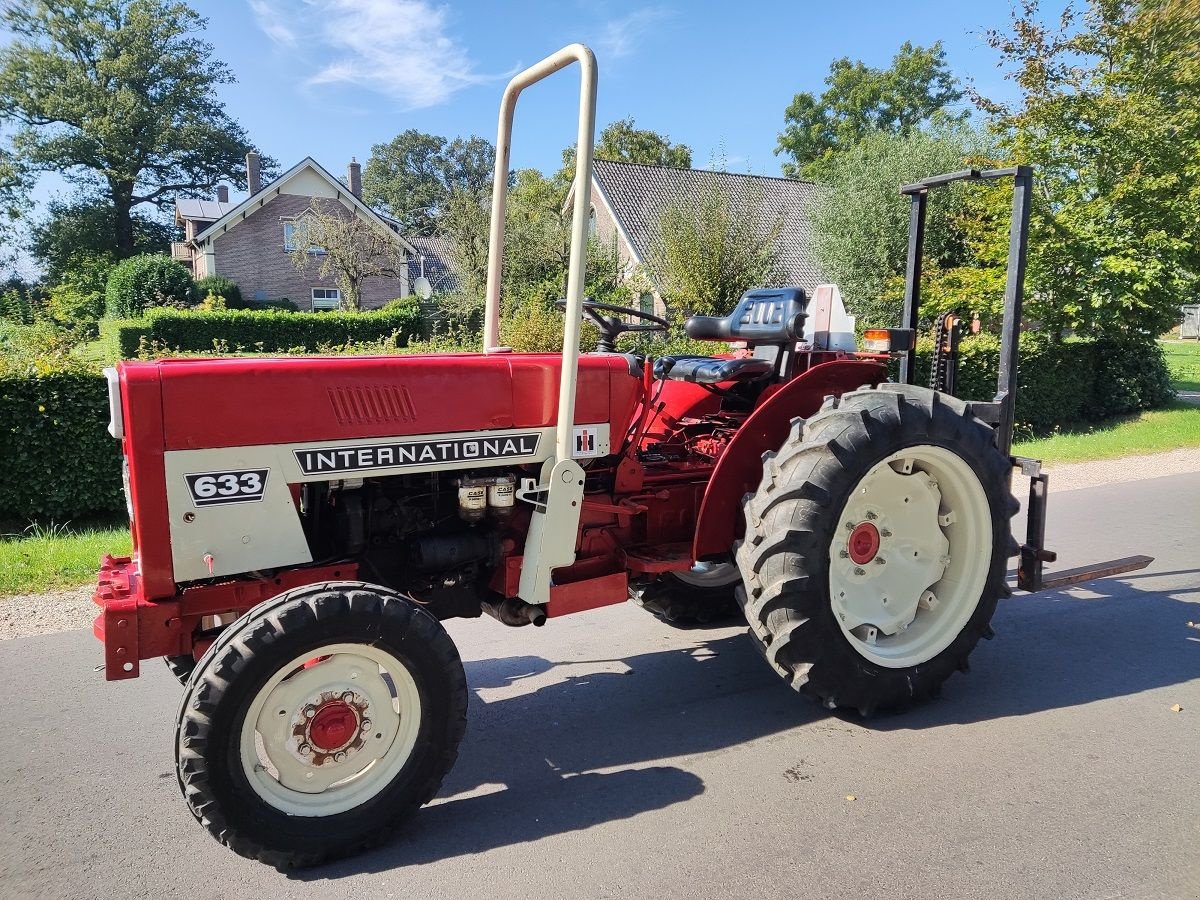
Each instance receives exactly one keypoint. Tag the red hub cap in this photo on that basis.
(333, 727)
(864, 543)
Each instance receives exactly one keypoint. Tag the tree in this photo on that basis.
(413, 176)
(142, 282)
(349, 249)
(622, 141)
(1109, 113)
(80, 232)
(860, 229)
(711, 248)
(916, 89)
(120, 97)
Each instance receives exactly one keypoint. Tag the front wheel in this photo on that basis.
(317, 723)
(876, 547)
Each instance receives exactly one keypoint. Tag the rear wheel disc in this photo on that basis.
(904, 573)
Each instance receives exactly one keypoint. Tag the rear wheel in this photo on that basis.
(876, 547)
(704, 595)
(317, 723)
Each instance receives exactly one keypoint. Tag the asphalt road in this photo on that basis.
(610, 756)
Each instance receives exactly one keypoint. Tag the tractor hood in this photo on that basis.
(210, 403)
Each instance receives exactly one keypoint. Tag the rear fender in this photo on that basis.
(739, 469)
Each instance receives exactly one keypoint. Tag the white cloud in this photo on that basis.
(271, 20)
(398, 48)
(620, 37)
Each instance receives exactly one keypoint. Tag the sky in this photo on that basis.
(331, 78)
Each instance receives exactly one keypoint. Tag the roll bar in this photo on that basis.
(579, 221)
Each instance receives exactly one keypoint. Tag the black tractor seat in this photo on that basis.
(711, 370)
(769, 320)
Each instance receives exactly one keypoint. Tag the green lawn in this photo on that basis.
(1158, 430)
(1183, 360)
(39, 559)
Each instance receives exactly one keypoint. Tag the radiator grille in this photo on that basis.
(372, 405)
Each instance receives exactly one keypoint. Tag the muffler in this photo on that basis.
(514, 612)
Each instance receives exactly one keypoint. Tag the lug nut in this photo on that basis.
(843, 554)
(348, 697)
(304, 749)
(340, 756)
(871, 515)
(365, 726)
(310, 711)
(859, 570)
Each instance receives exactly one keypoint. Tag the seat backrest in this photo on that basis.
(771, 316)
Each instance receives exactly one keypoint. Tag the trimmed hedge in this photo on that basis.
(1060, 383)
(225, 288)
(60, 462)
(263, 331)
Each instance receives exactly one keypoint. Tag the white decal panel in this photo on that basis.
(457, 451)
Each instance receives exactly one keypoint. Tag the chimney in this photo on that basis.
(354, 177)
(222, 193)
(253, 172)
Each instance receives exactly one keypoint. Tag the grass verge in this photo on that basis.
(1155, 431)
(41, 558)
(1183, 362)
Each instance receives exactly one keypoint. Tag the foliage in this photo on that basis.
(623, 141)
(709, 249)
(74, 238)
(72, 303)
(120, 96)
(1109, 112)
(539, 328)
(1062, 382)
(413, 176)
(260, 331)
(16, 307)
(60, 461)
(225, 288)
(348, 248)
(143, 282)
(860, 228)
(465, 223)
(915, 90)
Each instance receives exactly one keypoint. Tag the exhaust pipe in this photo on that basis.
(514, 612)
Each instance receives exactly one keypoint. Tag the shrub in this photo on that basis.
(262, 331)
(60, 461)
(73, 303)
(225, 288)
(140, 283)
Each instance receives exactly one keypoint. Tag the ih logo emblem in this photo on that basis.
(590, 441)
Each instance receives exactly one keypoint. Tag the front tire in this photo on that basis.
(320, 721)
(703, 596)
(876, 547)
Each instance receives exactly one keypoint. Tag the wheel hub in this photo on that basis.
(330, 727)
(863, 543)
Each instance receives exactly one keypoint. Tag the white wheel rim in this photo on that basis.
(281, 746)
(710, 574)
(907, 601)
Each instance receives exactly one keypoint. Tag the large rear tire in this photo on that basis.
(318, 722)
(876, 547)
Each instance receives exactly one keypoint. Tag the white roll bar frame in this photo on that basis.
(579, 222)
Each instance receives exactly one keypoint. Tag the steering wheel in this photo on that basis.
(612, 327)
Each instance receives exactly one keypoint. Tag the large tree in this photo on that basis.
(83, 231)
(1109, 113)
(623, 141)
(119, 96)
(915, 89)
(413, 176)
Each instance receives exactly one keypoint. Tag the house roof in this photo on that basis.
(209, 210)
(237, 212)
(636, 195)
(439, 262)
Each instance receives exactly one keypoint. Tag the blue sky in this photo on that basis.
(330, 78)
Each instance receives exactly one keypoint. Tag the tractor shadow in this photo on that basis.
(586, 749)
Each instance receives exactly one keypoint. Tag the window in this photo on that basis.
(592, 222)
(294, 234)
(646, 303)
(325, 299)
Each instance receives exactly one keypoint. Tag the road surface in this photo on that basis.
(610, 756)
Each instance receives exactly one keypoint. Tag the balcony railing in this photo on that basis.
(181, 250)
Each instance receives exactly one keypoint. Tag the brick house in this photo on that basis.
(250, 241)
(628, 199)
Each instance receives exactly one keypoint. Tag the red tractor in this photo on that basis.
(302, 526)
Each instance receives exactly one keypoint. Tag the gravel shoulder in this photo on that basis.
(66, 609)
